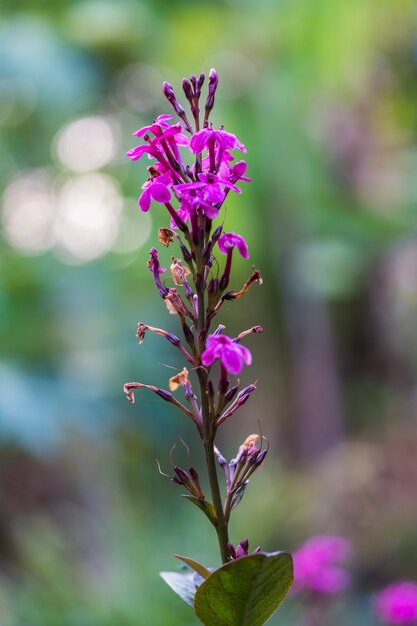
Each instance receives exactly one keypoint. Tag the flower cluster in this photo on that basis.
(317, 565)
(193, 168)
(397, 604)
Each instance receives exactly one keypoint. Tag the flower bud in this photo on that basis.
(212, 87)
(173, 339)
(231, 393)
(166, 395)
(170, 96)
(186, 86)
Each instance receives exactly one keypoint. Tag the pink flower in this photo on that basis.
(230, 240)
(397, 604)
(224, 140)
(317, 565)
(163, 132)
(231, 354)
(156, 188)
(160, 127)
(157, 125)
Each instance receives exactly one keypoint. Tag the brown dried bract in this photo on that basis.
(179, 379)
(165, 236)
(140, 333)
(178, 271)
(174, 303)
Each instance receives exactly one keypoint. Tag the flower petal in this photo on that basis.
(198, 140)
(145, 200)
(245, 353)
(208, 357)
(231, 359)
(160, 192)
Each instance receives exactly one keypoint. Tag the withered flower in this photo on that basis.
(174, 303)
(178, 271)
(165, 236)
(179, 380)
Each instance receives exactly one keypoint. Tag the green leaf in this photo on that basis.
(197, 567)
(206, 507)
(184, 585)
(245, 592)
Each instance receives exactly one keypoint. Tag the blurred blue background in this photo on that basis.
(324, 96)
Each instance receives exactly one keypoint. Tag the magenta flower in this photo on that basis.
(231, 354)
(317, 565)
(211, 186)
(156, 188)
(237, 172)
(206, 137)
(228, 241)
(160, 127)
(156, 127)
(192, 198)
(397, 604)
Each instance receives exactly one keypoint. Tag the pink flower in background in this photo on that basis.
(397, 604)
(231, 354)
(317, 565)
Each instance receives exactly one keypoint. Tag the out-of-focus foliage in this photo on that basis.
(324, 96)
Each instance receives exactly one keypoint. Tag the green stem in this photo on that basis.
(209, 432)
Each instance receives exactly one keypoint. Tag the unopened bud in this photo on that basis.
(232, 550)
(231, 393)
(170, 96)
(212, 87)
(173, 339)
(193, 473)
(186, 86)
(213, 286)
(216, 234)
(166, 395)
(260, 457)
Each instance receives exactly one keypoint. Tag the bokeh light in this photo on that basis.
(86, 144)
(88, 209)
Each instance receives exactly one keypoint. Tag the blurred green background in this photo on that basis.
(324, 95)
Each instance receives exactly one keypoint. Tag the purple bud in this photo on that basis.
(183, 476)
(240, 552)
(222, 460)
(245, 545)
(187, 89)
(188, 392)
(242, 456)
(232, 550)
(231, 393)
(166, 395)
(187, 333)
(187, 256)
(170, 96)
(212, 87)
(216, 234)
(201, 79)
(193, 473)
(173, 339)
(187, 289)
(213, 286)
(261, 457)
